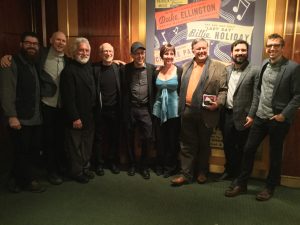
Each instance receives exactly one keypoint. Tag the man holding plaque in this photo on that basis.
(202, 94)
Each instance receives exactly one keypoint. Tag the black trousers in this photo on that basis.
(107, 134)
(141, 120)
(259, 130)
(53, 139)
(27, 147)
(234, 141)
(78, 145)
(194, 143)
(167, 143)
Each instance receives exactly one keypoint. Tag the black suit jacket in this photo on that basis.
(119, 76)
(129, 68)
(47, 85)
(78, 93)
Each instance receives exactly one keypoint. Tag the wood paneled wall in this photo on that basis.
(105, 21)
(16, 17)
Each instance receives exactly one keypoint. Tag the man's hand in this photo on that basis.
(278, 118)
(118, 62)
(249, 122)
(6, 61)
(14, 123)
(212, 107)
(77, 124)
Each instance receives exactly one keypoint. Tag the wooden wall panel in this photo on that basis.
(11, 25)
(292, 150)
(99, 21)
(51, 18)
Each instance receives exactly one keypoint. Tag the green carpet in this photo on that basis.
(123, 200)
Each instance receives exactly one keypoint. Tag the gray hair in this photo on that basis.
(197, 40)
(75, 45)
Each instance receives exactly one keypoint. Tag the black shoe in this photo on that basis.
(35, 187)
(145, 174)
(99, 171)
(224, 176)
(89, 174)
(114, 169)
(131, 171)
(54, 179)
(159, 171)
(82, 178)
(13, 187)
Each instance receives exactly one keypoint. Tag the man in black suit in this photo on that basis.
(108, 77)
(237, 115)
(138, 106)
(78, 93)
(277, 100)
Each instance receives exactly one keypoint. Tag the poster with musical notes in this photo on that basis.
(220, 22)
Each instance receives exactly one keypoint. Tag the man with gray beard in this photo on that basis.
(78, 94)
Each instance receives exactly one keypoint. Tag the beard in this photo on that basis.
(240, 59)
(82, 60)
(30, 54)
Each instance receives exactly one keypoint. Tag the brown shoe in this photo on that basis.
(265, 195)
(201, 179)
(35, 187)
(178, 181)
(235, 191)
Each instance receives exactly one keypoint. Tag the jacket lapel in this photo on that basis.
(242, 77)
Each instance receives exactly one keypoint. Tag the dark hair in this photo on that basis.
(28, 34)
(239, 42)
(165, 48)
(276, 36)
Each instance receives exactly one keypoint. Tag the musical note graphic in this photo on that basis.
(163, 35)
(235, 9)
(175, 30)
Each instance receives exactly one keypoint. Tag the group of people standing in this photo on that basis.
(84, 110)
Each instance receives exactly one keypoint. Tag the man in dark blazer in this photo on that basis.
(138, 104)
(238, 114)
(277, 100)
(108, 77)
(78, 93)
(202, 94)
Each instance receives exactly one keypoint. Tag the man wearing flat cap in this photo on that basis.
(138, 102)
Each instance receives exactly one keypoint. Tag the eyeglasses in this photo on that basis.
(29, 43)
(273, 45)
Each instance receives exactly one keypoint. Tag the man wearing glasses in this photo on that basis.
(277, 101)
(20, 99)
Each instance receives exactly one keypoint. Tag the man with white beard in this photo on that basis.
(78, 94)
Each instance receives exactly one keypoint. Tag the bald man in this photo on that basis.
(53, 61)
(108, 77)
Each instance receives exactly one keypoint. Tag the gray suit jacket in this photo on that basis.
(215, 84)
(286, 93)
(243, 95)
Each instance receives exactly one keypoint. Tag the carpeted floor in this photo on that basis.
(123, 200)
